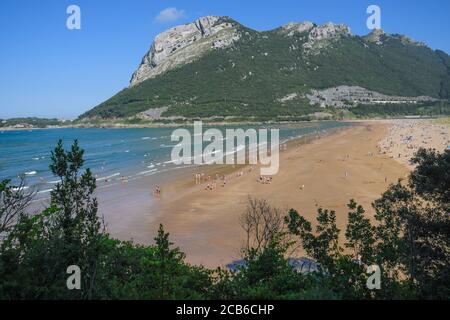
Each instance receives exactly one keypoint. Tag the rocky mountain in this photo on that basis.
(216, 67)
(183, 44)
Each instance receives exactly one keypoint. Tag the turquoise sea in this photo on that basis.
(112, 154)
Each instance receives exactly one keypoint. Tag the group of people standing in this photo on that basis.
(157, 191)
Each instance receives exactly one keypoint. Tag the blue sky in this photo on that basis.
(48, 70)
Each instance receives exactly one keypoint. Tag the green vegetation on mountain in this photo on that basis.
(409, 242)
(250, 77)
(30, 122)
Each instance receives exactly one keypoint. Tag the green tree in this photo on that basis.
(168, 260)
(360, 234)
(410, 241)
(431, 178)
(13, 203)
(414, 226)
(76, 225)
(323, 244)
(41, 247)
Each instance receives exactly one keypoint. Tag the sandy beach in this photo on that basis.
(325, 173)
(350, 163)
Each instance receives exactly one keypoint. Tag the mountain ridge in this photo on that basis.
(215, 66)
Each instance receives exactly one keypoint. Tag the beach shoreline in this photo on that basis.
(131, 209)
(206, 122)
(188, 124)
(326, 171)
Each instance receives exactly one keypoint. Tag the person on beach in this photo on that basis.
(157, 191)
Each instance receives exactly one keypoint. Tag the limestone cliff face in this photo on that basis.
(183, 44)
(378, 37)
(321, 36)
(291, 28)
(317, 37)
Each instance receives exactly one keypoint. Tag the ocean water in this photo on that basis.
(111, 154)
